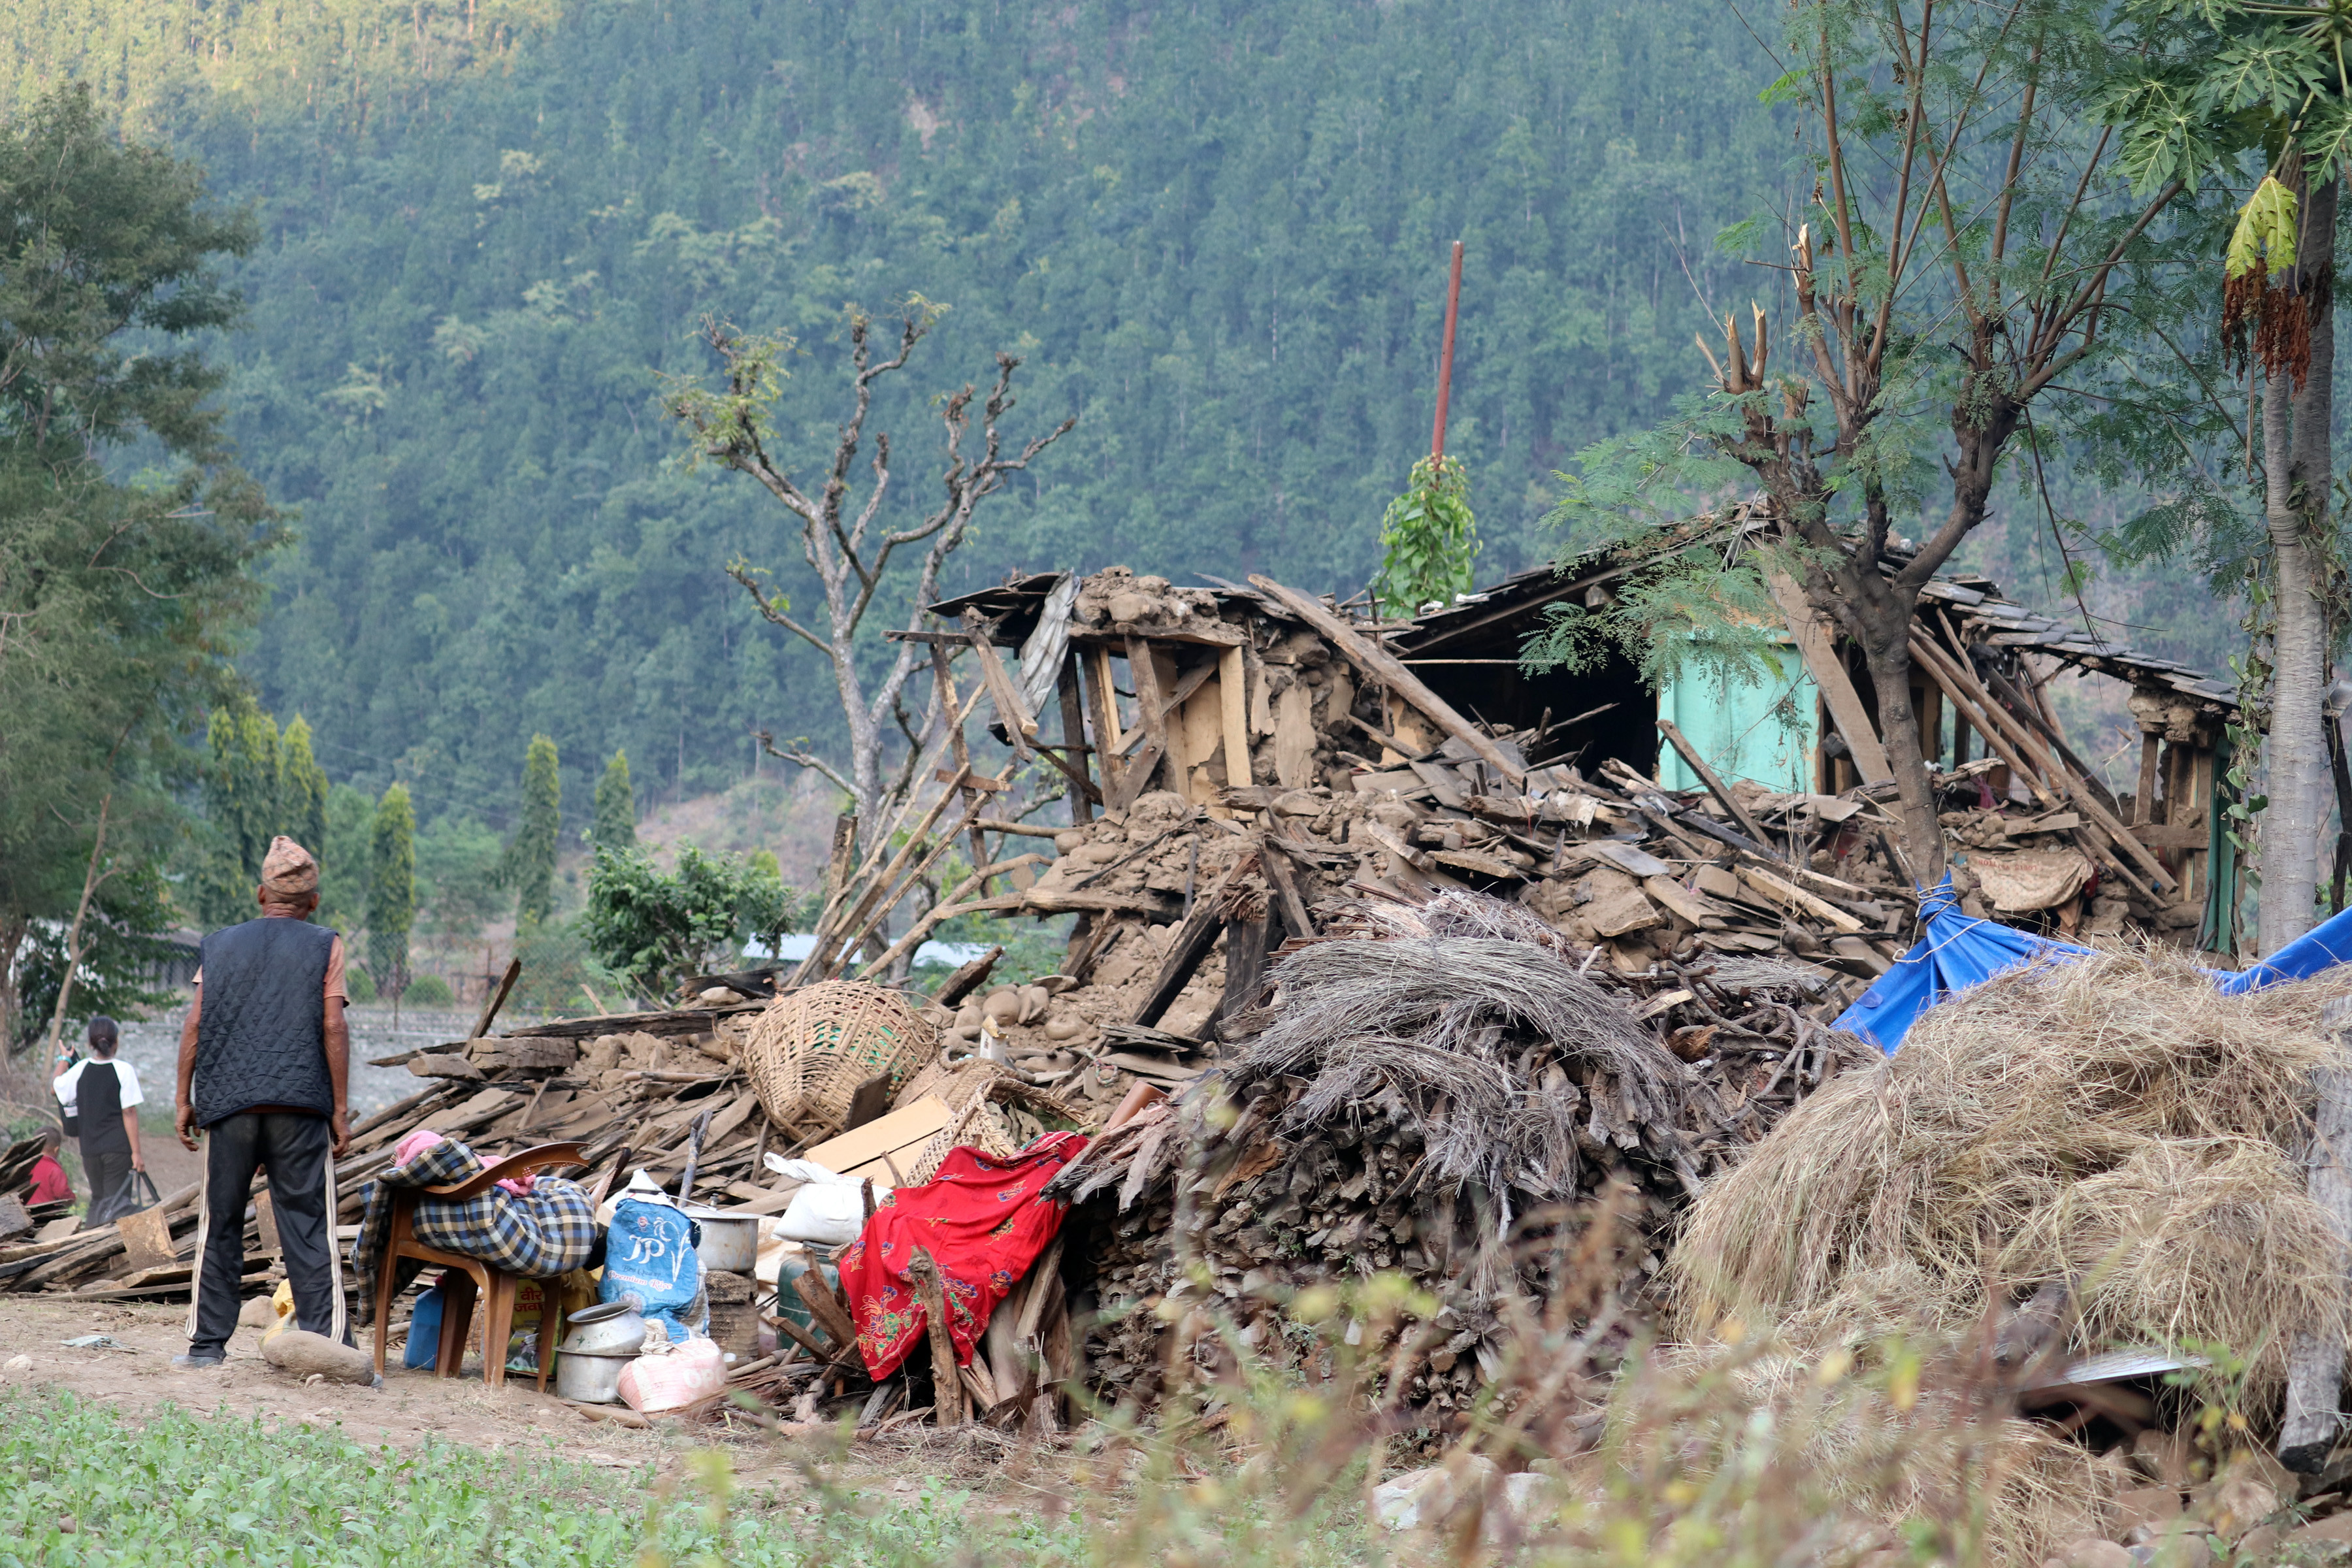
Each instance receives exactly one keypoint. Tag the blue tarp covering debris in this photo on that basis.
(2324, 946)
(1954, 952)
(1958, 950)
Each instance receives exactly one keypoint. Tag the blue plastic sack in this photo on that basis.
(649, 1258)
(423, 1330)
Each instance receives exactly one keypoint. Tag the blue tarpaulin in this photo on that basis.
(1957, 952)
(2324, 946)
(1954, 952)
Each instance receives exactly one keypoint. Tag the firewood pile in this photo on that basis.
(1451, 1091)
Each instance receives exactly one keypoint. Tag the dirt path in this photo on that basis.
(411, 1406)
(414, 1405)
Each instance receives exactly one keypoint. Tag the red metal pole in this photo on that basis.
(1446, 361)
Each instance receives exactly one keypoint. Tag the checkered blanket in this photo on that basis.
(547, 1231)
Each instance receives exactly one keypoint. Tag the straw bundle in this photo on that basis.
(808, 1052)
(2114, 1125)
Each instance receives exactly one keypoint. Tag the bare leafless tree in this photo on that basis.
(866, 567)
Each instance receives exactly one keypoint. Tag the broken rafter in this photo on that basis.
(1386, 669)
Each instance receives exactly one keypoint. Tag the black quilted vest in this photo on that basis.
(261, 1036)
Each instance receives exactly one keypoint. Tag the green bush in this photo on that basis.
(561, 973)
(428, 991)
(359, 985)
(655, 930)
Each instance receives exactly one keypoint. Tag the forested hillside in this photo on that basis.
(1216, 229)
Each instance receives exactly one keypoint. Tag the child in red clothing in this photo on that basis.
(49, 1182)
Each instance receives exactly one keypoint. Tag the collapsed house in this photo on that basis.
(1633, 915)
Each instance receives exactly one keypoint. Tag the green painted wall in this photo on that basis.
(1763, 730)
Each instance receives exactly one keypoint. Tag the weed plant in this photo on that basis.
(1265, 1454)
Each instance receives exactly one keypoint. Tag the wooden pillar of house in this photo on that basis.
(1928, 703)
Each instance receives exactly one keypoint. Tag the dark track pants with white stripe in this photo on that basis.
(296, 1147)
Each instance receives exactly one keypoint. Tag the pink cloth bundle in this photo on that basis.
(425, 1138)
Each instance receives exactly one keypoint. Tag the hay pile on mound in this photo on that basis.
(2114, 1125)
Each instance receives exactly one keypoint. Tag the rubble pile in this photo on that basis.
(1447, 1090)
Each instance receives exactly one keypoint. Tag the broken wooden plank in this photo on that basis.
(947, 1388)
(1819, 651)
(1020, 724)
(1385, 667)
(491, 1005)
(147, 1240)
(1779, 891)
(1151, 720)
(1713, 782)
(1232, 689)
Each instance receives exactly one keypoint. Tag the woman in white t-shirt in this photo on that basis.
(103, 1095)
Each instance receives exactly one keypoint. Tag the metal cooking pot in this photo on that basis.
(608, 1328)
(589, 1379)
(729, 1244)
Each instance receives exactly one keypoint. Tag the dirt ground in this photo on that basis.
(409, 1407)
(414, 1405)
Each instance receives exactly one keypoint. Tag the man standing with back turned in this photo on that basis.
(265, 1063)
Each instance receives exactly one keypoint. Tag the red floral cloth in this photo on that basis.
(982, 1221)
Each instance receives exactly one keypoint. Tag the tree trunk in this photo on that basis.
(14, 929)
(2295, 499)
(1887, 651)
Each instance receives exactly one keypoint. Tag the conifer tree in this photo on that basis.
(529, 866)
(391, 890)
(616, 806)
(301, 790)
(241, 792)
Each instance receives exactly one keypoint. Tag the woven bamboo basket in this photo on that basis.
(995, 1112)
(808, 1052)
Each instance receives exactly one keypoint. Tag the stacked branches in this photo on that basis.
(1448, 1093)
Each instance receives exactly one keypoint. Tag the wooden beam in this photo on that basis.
(967, 978)
(490, 1005)
(1822, 662)
(930, 1289)
(1244, 965)
(2151, 748)
(1102, 703)
(1074, 739)
(1233, 685)
(1286, 889)
(1385, 667)
(1020, 724)
(1963, 688)
(1714, 786)
(1191, 943)
(1153, 720)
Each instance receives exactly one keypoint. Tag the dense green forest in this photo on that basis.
(1216, 230)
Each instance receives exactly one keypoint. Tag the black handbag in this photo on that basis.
(143, 1194)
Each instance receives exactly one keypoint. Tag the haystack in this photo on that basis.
(2114, 1126)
